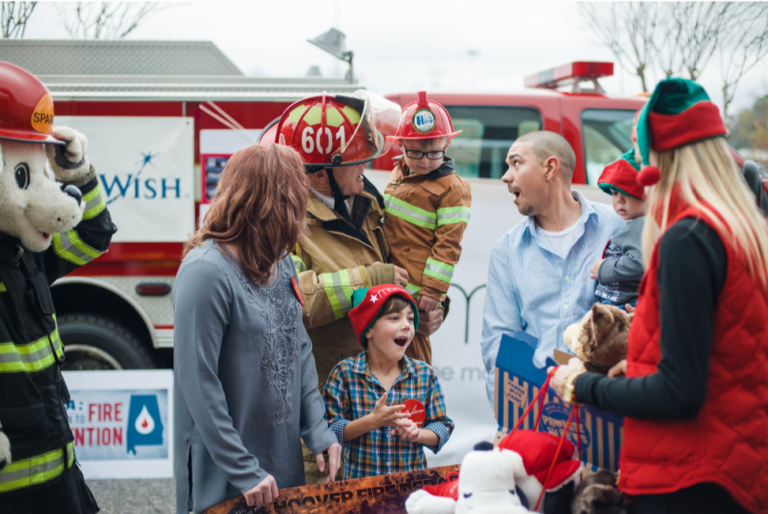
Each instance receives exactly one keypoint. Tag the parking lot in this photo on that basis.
(149, 496)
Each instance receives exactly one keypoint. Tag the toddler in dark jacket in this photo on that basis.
(619, 270)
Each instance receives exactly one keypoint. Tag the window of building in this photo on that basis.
(488, 132)
(607, 136)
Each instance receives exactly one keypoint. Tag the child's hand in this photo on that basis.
(427, 303)
(407, 430)
(595, 268)
(384, 416)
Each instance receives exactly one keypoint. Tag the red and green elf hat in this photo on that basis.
(678, 113)
(367, 304)
(621, 176)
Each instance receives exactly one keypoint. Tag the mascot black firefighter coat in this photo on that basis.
(33, 395)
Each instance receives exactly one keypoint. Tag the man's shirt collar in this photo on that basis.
(587, 212)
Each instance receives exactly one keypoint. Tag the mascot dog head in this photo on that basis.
(33, 206)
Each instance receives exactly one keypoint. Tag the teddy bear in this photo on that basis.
(598, 494)
(486, 485)
(600, 338)
(53, 219)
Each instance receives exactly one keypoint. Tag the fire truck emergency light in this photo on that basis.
(573, 73)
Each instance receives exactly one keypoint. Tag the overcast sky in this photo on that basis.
(400, 46)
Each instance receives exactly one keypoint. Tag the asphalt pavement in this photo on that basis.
(150, 496)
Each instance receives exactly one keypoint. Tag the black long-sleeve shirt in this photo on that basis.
(691, 274)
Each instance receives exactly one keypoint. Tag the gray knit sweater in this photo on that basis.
(245, 381)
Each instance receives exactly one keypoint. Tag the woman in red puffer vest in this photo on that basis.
(695, 396)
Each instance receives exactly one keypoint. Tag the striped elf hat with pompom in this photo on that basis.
(678, 113)
(621, 176)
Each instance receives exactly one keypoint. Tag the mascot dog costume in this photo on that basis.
(53, 218)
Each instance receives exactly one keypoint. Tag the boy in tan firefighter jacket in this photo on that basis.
(427, 208)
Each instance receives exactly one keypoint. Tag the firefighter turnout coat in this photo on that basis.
(425, 222)
(33, 395)
(334, 260)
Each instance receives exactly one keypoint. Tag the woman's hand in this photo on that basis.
(630, 308)
(407, 430)
(334, 462)
(263, 493)
(595, 268)
(384, 416)
(619, 368)
(561, 372)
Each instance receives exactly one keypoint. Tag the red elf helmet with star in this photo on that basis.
(369, 302)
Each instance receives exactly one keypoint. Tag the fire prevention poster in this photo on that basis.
(129, 426)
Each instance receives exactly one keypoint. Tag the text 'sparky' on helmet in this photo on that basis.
(424, 119)
(336, 130)
(26, 107)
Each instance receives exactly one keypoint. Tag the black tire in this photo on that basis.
(93, 342)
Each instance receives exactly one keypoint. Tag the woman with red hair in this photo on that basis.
(245, 378)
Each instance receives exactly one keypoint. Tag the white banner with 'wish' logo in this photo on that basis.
(145, 166)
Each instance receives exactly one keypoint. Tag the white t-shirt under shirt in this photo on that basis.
(561, 241)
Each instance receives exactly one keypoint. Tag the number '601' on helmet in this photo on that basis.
(336, 130)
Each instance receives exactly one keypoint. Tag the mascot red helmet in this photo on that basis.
(26, 106)
(424, 119)
(336, 130)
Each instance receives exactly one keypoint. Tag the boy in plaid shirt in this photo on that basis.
(378, 438)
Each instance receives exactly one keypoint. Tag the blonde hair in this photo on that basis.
(708, 179)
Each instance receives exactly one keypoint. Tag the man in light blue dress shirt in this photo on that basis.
(538, 276)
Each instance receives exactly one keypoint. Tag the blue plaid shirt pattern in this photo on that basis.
(351, 393)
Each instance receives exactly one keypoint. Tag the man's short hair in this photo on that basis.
(546, 144)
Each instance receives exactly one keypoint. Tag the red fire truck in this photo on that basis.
(159, 145)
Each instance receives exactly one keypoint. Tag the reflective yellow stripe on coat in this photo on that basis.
(70, 247)
(36, 470)
(339, 292)
(31, 357)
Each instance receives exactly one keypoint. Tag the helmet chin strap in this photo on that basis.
(339, 204)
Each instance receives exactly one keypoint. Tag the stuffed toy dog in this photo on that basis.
(534, 453)
(53, 219)
(486, 485)
(600, 338)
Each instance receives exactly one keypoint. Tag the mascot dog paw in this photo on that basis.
(5, 449)
(69, 163)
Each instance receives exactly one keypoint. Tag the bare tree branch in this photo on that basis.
(14, 17)
(105, 20)
(628, 30)
(745, 45)
(682, 37)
